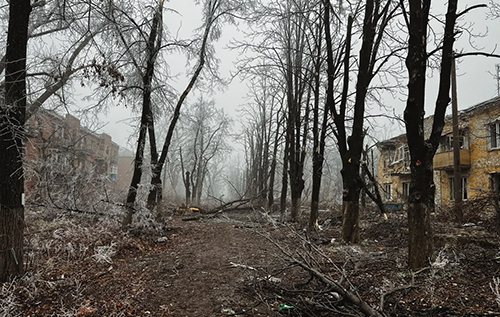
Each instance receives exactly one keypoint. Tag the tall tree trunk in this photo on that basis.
(284, 182)
(297, 183)
(420, 231)
(351, 158)
(420, 200)
(272, 171)
(12, 120)
(350, 203)
(146, 117)
(188, 190)
(156, 189)
(264, 167)
(319, 134)
(154, 46)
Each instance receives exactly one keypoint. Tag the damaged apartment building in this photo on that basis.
(60, 153)
(479, 130)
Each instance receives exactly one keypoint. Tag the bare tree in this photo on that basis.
(153, 45)
(263, 117)
(215, 12)
(205, 132)
(318, 129)
(283, 35)
(423, 143)
(12, 120)
(377, 15)
(421, 150)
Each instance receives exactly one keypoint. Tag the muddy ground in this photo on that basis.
(244, 263)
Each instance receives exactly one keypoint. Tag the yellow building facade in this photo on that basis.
(479, 128)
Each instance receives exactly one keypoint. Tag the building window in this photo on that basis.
(400, 153)
(390, 156)
(406, 190)
(446, 141)
(387, 191)
(494, 135)
(463, 189)
(495, 182)
(113, 172)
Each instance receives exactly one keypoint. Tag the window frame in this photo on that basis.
(495, 125)
(388, 191)
(446, 141)
(406, 190)
(464, 189)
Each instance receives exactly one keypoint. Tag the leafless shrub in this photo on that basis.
(8, 299)
(475, 210)
(311, 281)
(56, 187)
(495, 289)
(104, 253)
(52, 248)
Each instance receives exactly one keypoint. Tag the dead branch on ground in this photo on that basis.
(239, 204)
(334, 297)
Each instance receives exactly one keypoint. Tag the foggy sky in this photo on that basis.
(476, 75)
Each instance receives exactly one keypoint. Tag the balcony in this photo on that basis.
(444, 160)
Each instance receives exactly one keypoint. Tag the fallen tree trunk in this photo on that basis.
(231, 206)
(375, 197)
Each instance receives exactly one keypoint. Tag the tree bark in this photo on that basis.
(350, 203)
(376, 198)
(272, 171)
(284, 181)
(146, 117)
(12, 120)
(421, 198)
(319, 134)
(156, 182)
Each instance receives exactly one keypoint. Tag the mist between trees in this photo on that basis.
(318, 75)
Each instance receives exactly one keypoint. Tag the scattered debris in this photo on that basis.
(285, 307)
(162, 239)
(243, 266)
(104, 253)
(227, 311)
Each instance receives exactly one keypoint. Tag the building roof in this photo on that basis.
(483, 105)
(124, 152)
(493, 102)
(392, 142)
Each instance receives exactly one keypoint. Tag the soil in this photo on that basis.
(239, 264)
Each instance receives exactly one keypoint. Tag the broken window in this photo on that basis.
(446, 141)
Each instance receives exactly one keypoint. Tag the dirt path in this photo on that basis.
(191, 274)
(218, 267)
